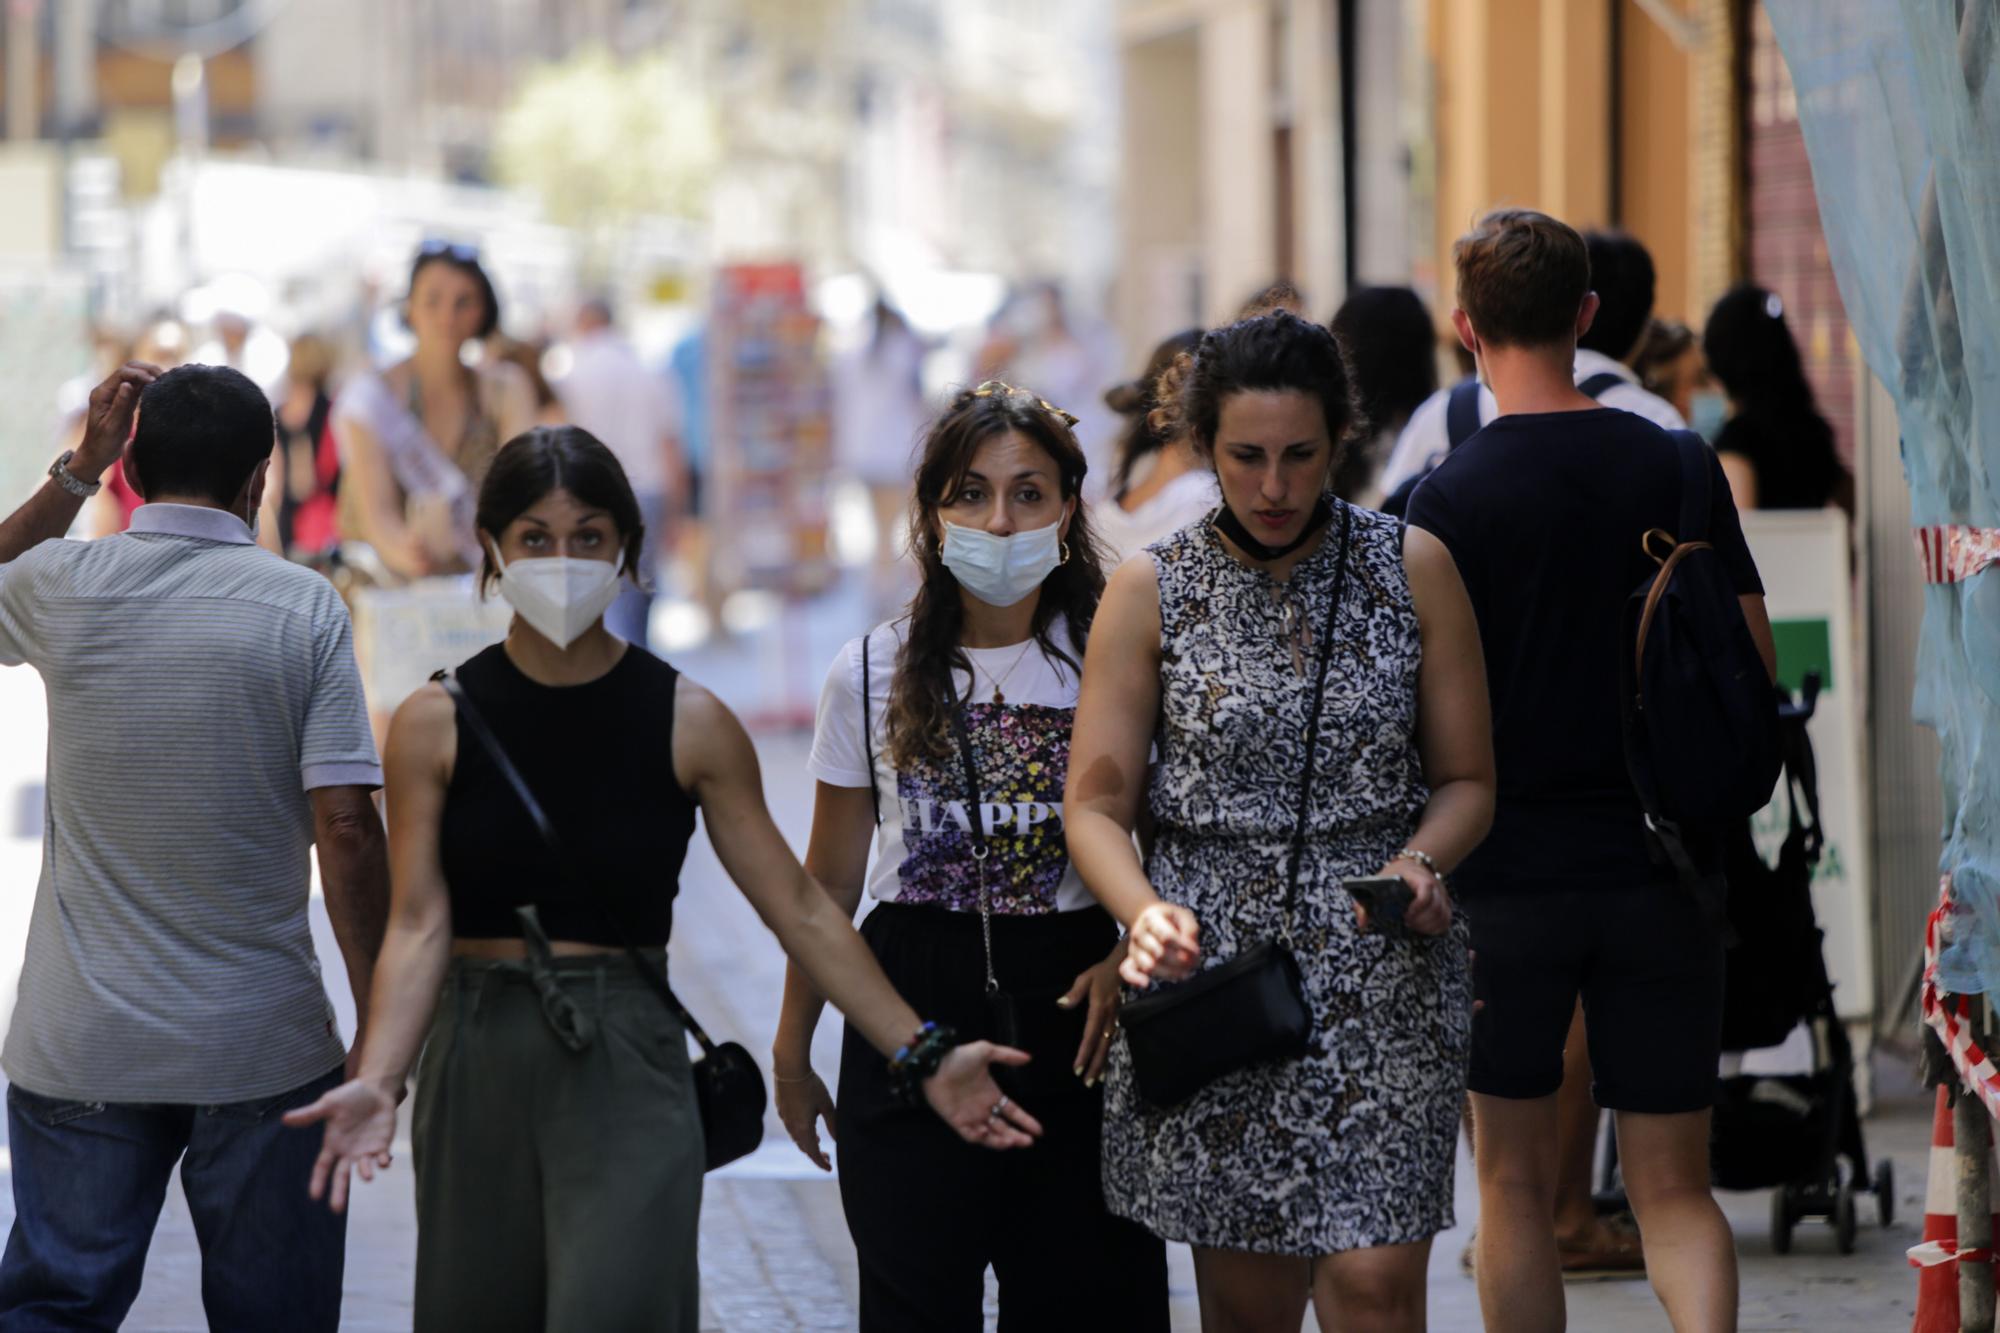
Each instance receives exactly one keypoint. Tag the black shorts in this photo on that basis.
(1647, 962)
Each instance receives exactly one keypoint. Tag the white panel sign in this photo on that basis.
(1803, 558)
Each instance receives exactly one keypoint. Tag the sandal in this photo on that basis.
(1611, 1251)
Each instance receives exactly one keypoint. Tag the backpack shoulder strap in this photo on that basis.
(1461, 412)
(1696, 496)
(1601, 383)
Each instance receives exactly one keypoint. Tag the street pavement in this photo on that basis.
(775, 1253)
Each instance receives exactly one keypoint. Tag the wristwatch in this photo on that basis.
(69, 481)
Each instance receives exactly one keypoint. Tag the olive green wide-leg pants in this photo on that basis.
(558, 1153)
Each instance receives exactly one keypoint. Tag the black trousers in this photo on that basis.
(929, 1212)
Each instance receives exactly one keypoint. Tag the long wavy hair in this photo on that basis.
(919, 727)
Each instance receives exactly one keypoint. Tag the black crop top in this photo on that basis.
(599, 758)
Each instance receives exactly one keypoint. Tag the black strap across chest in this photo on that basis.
(1318, 699)
(476, 723)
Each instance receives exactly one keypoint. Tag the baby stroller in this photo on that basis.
(1798, 1135)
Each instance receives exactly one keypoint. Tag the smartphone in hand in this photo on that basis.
(1385, 898)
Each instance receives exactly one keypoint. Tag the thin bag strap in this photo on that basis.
(1312, 724)
(975, 822)
(868, 733)
(475, 721)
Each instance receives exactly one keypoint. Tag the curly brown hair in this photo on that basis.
(918, 725)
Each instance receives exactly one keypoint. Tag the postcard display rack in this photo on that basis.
(772, 432)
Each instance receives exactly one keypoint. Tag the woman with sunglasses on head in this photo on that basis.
(1309, 674)
(559, 1147)
(942, 739)
(416, 439)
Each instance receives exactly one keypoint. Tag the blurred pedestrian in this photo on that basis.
(1327, 1174)
(558, 1144)
(1775, 446)
(879, 415)
(206, 734)
(416, 439)
(526, 357)
(614, 396)
(1621, 276)
(1670, 364)
(1391, 348)
(242, 343)
(1162, 485)
(960, 711)
(1039, 342)
(302, 501)
(1572, 895)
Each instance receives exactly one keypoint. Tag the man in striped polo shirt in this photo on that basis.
(206, 731)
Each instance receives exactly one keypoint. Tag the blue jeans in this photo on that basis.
(89, 1179)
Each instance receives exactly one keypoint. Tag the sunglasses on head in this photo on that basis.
(436, 247)
(1002, 389)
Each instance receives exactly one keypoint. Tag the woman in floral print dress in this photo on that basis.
(1326, 1175)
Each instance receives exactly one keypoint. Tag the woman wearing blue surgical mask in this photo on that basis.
(943, 741)
(558, 1143)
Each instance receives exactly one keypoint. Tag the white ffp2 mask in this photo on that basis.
(561, 596)
(1000, 571)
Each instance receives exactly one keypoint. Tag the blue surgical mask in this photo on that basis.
(1707, 411)
(1000, 571)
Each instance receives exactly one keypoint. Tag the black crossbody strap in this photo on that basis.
(1312, 724)
(476, 723)
(868, 734)
(973, 817)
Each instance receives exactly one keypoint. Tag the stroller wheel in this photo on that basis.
(1885, 1192)
(1781, 1221)
(1843, 1217)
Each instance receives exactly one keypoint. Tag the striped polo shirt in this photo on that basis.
(198, 688)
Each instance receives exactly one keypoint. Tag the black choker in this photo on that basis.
(1231, 527)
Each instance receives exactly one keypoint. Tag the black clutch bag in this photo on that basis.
(728, 1086)
(1248, 1009)
(1236, 1014)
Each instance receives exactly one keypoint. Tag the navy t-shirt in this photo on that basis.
(1543, 513)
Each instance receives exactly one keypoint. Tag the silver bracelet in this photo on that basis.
(1421, 858)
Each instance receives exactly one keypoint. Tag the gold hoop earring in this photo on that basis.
(1065, 551)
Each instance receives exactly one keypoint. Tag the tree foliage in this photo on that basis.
(604, 140)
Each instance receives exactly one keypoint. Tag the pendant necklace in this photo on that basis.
(999, 697)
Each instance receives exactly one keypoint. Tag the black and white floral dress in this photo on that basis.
(1351, 1146)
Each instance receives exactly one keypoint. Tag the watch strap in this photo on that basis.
(69, 481)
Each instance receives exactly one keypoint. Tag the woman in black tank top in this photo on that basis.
(557, 1141)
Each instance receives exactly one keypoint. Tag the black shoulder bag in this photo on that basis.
(1252, 1008)
(728, 1087)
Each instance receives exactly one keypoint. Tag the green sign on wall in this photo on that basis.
(1803, 646)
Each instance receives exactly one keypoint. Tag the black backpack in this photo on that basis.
(1700, 711)
(1461, 423)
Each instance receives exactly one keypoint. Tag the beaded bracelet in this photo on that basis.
(1421, 858)
(918, 1060)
